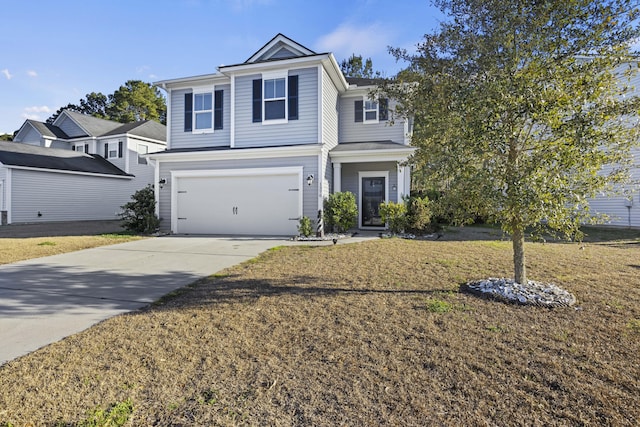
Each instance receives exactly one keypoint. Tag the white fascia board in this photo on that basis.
(259, 67)
(130, 136)
(371, 156)
(67, 172)
(26, 122)
(290, 170)
(194, 81)
(334, 71)
(239, 154)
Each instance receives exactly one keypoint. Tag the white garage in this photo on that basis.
(265, 201)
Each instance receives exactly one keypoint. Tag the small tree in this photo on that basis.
(419, 213)
(394, 214)
(340, 211)
(305, 228)
(139, 214)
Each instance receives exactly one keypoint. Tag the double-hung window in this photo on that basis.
(275, 98)
(371, 111)
(113, 150)
(203, 111)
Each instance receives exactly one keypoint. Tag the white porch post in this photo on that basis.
(404, 182)
(337, 177)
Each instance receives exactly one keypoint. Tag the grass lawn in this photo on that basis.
(374, 333)
(14, 250)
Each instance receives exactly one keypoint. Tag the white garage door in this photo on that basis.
(256, 204)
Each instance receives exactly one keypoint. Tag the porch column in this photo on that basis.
(404, 180)
(337, 177)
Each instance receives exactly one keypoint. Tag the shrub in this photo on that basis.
(139, 214)
(305, 228)
(419, 214)
(340, 211)
(394, 214)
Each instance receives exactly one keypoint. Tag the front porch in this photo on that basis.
(374, 173)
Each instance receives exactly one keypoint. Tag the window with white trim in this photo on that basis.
(370, 111)
(203, 112)
(79, 148)
(142, 149)
(275, 99)
(113, 150)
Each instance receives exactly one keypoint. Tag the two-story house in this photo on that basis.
(78, 168)
(255, 146)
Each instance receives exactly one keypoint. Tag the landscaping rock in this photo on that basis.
(533, 293)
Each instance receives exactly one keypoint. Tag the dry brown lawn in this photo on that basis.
(14, 250)
(374, 333)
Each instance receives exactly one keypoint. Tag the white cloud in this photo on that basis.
(32, 73)
(348, 38)
(38, 109)
(6, 74)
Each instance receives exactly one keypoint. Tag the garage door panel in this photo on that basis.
(255, 204)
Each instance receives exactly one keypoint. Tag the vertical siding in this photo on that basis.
(301, 131)
(181, 139)
(350, 131)
(66, 197)
(309, 164)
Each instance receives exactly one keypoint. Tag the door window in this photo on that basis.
(373, 193)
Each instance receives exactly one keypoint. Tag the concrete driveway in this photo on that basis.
(46, 299)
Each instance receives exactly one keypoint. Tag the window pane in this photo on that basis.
(113, 153)
(279, 88)
(269, 89)
(202, 101)
(371, 115)
(274, 110)
(370, 105)
(203, 121)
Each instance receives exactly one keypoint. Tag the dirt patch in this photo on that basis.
(375, 333)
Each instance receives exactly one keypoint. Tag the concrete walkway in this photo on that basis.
(46, 299)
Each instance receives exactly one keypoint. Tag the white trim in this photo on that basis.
(7, 193)
(169, 115)
(275, 75)
(320, 181)
(245, 153)
(364, 110)
(232, 111)
(1, 194)
(371, 174)
(214, 173)
(364, 156)
(156, 186)
(9, 167)
(280, 38)
(203, 90)
(337, 177)
(101, 139)
(125, 154)
(252, 68)
(320, 105)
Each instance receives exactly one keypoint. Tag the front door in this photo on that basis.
(372, 194)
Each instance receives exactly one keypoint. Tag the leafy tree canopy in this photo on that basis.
(356, 67)
(523, 109)
(133, 101)
(6, 137)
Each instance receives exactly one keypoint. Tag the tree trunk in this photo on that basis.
(518, 256)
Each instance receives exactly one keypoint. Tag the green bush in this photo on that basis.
(419, 214)
(394, 214)
(115, 416)
(139, 215)
(305, 228)
(340, 211)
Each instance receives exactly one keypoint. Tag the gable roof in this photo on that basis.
(92, 126)
(24, 155)
(280, 47)
(46, 129)
(146, 128)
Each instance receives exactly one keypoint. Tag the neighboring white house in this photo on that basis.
(78, 168)
(257, 145)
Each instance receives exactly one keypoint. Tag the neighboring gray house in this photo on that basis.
(257, 145)
(79, 168)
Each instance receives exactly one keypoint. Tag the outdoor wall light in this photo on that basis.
(394, 187)
(162, 182)
(310, 179)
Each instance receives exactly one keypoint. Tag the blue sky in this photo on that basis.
(55, 52)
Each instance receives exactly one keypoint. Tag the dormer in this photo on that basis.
(279, 47)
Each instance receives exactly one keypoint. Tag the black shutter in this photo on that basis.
(86, 148)
(293, 97)
(119, 148)
(383, 109)
(257, 100)
(188, 111)
(106, 150)
(73, 148)
(217, 109)
(359, 111)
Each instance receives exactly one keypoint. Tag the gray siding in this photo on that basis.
(63, 145)
(350, 131)
(70, 128)
(350, 176)
(309, 164)
(32, 137)
(181, 139)
(330, 110)
(66, 197)
(301, 131)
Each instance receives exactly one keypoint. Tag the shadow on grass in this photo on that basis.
(229, 289)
